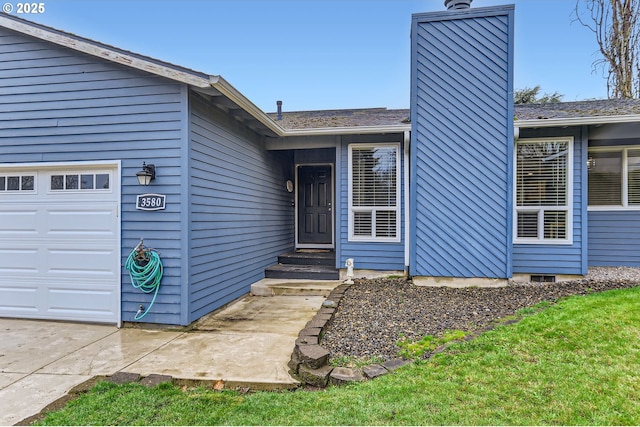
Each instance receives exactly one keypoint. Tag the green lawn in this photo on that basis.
(574, 363)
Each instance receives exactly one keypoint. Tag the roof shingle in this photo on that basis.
(387, 117)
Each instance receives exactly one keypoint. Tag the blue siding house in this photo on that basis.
(463, 187)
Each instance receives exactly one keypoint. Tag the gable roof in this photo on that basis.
(211, 85)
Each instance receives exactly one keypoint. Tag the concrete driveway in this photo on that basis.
(249, 343)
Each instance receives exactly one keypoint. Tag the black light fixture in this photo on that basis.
(147, 174)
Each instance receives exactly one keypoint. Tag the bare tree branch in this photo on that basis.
(616, 26)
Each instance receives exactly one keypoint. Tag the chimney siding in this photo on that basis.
(462, 143)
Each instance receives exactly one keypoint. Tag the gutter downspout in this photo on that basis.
(407, 210)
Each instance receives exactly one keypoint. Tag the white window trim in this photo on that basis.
(352, 209)
(625, 181)
(80, 172)
(20, 191)
(540, 240)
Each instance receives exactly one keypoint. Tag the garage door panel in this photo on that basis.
(60, 250)
(18, 222)
(90, 263)
(88, 222)
(19, 298)
(80, 301)
(16, 261)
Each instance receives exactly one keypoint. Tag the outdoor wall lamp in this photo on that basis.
(147, 174)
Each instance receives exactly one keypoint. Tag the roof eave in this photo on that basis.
(226, 89)
(576, 121)
(348, 130)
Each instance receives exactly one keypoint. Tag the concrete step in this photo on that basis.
(326, 258)
(297, 271)
(293, 287)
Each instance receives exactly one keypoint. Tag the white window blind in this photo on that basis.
(614, 177)
(605, 178)
(633, 177)
(374, 192)
(542, 190)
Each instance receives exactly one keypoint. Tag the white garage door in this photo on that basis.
(60, 243)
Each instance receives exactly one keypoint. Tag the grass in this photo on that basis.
(354, 362)
(416, 349)
(573, 363)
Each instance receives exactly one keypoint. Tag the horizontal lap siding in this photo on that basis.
(558, 259)
(461, 148)
(614, 238)
(58, 105)
(241, 214)
(368, 255)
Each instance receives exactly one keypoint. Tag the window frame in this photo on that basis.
(79, 173)
(398, 205)
(5, 187)
(540, 239)
(624, 187)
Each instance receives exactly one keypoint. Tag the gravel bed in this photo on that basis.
(375, 313)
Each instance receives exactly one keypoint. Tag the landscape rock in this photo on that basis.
(315, 377)
(121, 377)
(374, 314)
(393, 364)
(313, 356)
(155, 379)
(374, 371)
(340, 376)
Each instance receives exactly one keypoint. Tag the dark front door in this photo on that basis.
(315, 212)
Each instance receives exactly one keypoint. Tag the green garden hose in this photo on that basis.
(145, 270)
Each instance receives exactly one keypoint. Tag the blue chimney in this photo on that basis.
(462, 142)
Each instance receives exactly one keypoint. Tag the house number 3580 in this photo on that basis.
(150, 202)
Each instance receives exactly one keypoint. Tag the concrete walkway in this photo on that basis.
(247, 344)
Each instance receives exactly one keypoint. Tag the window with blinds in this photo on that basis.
(542, 190)
(374, 192)
(614, 177)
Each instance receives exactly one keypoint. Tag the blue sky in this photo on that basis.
(323, 54)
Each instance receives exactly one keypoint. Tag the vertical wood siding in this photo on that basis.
(367, 255)
(560, 259)
(462, 143)
(241, 214)
(58, 105)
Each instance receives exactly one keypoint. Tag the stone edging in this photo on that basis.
(310, 361)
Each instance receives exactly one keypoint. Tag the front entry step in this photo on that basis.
(326, 258)
(293, 287)
(312, 265)
(293, 271)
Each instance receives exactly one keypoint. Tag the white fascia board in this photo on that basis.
(350, 130)
(222, 86)
(576, 121)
